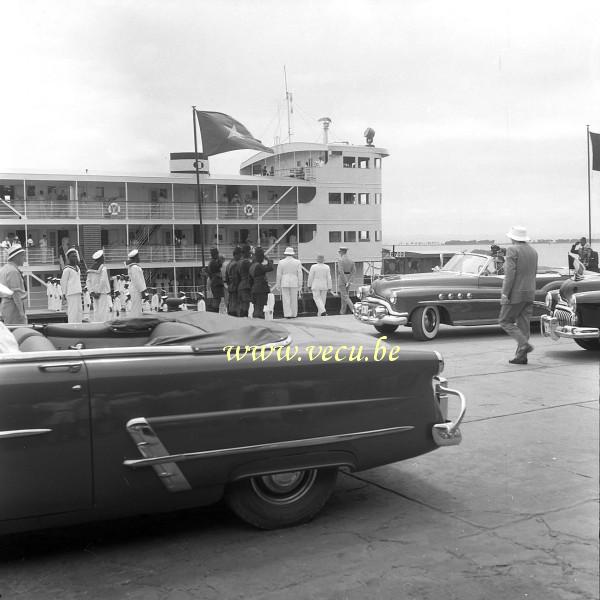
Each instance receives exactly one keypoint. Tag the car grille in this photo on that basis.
(564, 317)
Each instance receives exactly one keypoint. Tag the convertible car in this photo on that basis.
(574, 313)
(154, 414)
(465, 291)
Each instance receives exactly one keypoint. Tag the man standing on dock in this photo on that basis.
(70, 283)
(345, 271)
(99, 287)
(518, 292)
(12, 307)
(137, 284)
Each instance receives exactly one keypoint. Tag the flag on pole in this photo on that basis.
(222, 133)
(595, 139)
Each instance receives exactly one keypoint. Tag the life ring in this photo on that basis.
(249, 210)
(113, 208)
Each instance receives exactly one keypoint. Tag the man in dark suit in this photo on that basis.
(518, 292)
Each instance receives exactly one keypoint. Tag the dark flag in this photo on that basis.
(222, 133)
(595, 139)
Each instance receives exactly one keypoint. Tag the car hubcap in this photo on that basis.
(284, 488)
(429, 320)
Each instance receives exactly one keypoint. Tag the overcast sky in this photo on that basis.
(482, 105)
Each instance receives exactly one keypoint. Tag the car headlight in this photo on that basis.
(548, 301)
(363, 291)
(572, 302)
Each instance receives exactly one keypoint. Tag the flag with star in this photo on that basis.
(222, 133)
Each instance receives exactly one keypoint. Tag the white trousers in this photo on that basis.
(320, 296)
(289, 298)
(136, 304)
(74, 308)
(100, 313)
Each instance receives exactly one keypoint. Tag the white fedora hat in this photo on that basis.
(14, 250)
(289, 251)
(518, 233)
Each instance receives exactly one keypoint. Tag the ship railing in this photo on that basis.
(51, 209)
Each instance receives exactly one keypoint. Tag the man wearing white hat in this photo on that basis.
(319, 282)
(289, 281)
(137, 284)
(99, 287)
(70, 282)
(518, 292)
(12, 306)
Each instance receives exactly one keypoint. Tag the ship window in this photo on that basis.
(377, 198)
(335, 198)
(99, 192)
(349, 236)
(349, 162)
(378, 163)
(335, 236)
(363, 236)
(378, 236)
(363, 163)
(363, 198)
(350, 198)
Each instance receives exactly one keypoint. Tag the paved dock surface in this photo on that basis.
(510, 513)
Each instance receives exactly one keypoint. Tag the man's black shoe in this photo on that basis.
(518, 361)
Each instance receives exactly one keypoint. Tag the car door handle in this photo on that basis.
(72, 367)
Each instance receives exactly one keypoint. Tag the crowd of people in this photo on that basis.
(243, 282)
(239, 287)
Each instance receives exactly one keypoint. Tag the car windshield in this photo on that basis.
(466, 263)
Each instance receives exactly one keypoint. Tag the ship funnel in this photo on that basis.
(326, 122)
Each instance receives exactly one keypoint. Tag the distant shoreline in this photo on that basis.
(487, 242)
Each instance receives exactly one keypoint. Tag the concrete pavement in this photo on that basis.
(510, 513)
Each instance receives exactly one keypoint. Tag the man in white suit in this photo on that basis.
(319, 282)
(289, 281)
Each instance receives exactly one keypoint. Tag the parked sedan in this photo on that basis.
(155, 414)
(574, 313)
(465, 291)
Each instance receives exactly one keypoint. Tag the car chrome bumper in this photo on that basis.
(552, 328)
(375, 311)
(447, 433)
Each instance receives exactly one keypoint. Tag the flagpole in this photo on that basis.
(587, 139)
(199, 196)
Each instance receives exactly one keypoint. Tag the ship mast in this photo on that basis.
(288, 99)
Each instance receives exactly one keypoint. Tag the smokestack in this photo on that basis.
(326, 122)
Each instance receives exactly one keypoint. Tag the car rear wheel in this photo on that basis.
(426, 323)
(593, 345)
(281, 499)
(386, 328)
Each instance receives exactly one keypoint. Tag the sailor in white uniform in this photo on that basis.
(137, 284)
(70, 282)
(99, 287)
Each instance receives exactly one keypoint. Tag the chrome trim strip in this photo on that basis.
(460, 301)
(292, 444)
(476, 322)
(448, 434)
(16, 433)
(150, 447)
